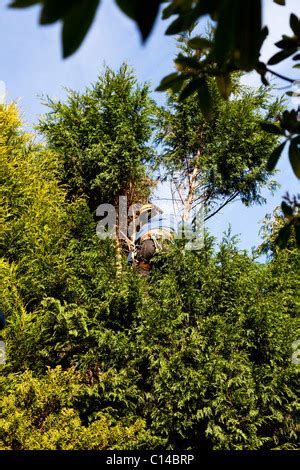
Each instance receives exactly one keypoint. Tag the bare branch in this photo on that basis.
(230, 199)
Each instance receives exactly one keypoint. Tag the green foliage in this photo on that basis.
(197, 356)
(235, 46)
(102, 136)
(39, 414)
(231, 150)
(34, 219)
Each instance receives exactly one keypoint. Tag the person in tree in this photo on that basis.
(150, 238)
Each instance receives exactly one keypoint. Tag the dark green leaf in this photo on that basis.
(249, 35)
(170, 81)
(146, 16)
(293, 93)
(225, 35)
(274, 157)
(295, 24)
(279, 2)
(264, 80)
(128, 7)
(271, 128)
(279, 56)
(262, 36)
(200, 43)
(297, 234)
(296, 66)
(176, 27)
(239, 34)
(284, 235)
(53, 10)
(173, 9)
(286, 209)
(143, 13)
(224, 84)
(294, 156)
(23, 3)
(288, 43)
(205, 100)
(191, 88)
(77, 23)
(184, 63)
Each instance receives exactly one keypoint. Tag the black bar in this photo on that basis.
(149, 459)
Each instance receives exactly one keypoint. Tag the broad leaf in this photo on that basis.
(271, 128)
(286, 209)
(295, 24)
(184, 63)
(176, 27)
(297, 234)
(287, 43)
(279, 56)
(205, 100)
(191, 88)
(53, 10)
(77, 23)
(294, 156)
(23, 3)
(224, 84)
(172, 81)
(199, 43)
(274, 157)
(143, 13)
(284, 235)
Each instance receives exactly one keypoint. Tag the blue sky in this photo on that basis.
(31, 65)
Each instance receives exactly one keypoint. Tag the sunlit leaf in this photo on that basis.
(183, 63)
(224, 84)
(199, 43)
(173, 81)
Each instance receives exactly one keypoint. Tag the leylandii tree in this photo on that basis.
(218, 160)
(34, 221)
(200, 356)
(103, 137)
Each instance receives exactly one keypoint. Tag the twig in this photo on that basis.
(222, 206)
(291, 80)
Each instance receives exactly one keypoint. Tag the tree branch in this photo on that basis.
(230, 199)
(291, 80)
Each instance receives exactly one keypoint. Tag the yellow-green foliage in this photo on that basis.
(40, 414)
(33, 217)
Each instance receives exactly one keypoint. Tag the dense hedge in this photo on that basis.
(197, 356)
